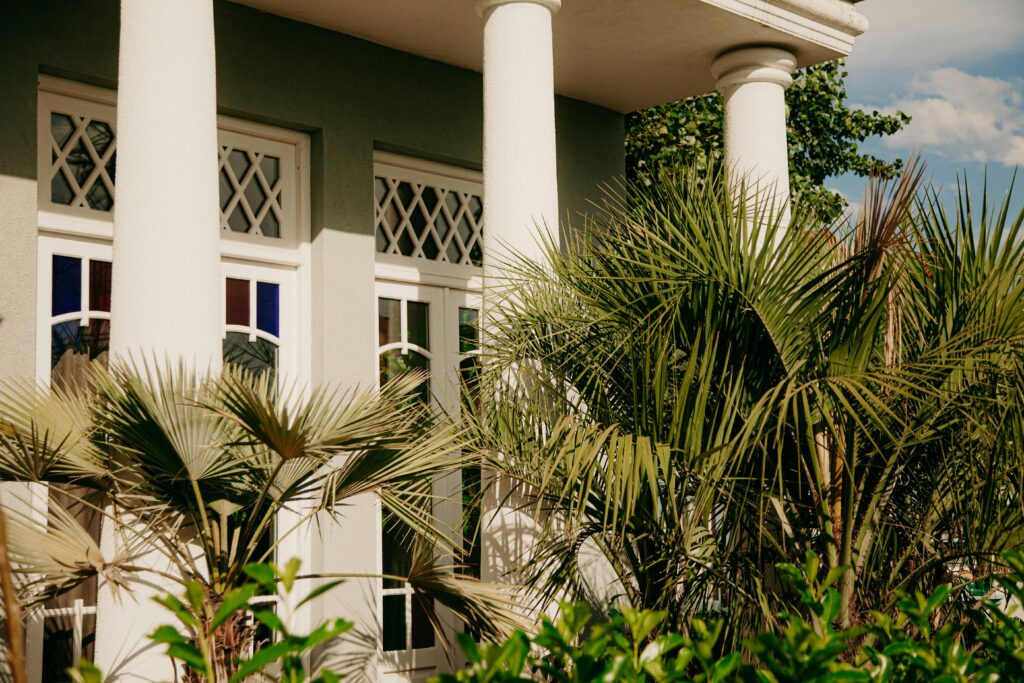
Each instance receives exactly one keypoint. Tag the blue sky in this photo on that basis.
(957, 67)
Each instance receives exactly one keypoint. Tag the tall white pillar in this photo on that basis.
(166, 289)
(521, 206)
(166, 292)
(520, 178)
(753, 83)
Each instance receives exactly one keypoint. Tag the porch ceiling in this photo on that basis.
(621, 54)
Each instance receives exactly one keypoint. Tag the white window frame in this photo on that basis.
(294, 251)
(411, 269)
(448, 287)
(444, 354)
(88, 234)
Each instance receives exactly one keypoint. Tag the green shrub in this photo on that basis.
(915, 643)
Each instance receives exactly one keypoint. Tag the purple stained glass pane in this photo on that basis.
(67, 285)
(237, 304)
(99, 286)
(267, 314)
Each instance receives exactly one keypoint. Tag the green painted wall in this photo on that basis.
(349, 94)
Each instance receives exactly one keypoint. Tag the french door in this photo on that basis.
(434, 330)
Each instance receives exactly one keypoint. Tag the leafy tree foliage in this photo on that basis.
(712, 393)
(824, 136)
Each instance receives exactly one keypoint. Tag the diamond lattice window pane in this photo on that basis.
(100, 136)
(60, 189)
(239, 163)
(271, 169)
(269, 225)
(80, 146)
(61, 128)
(255, 196)
(80, 163)
(227, 190)
(99, 197)
(428, 221)
(250, 192)
(238, 221)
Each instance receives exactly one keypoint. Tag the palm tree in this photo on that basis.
(703, 392)
(195, 471)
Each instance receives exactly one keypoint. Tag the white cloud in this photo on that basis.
(962, 117)
(929, 33)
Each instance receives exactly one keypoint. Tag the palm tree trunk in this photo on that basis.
(12, 610)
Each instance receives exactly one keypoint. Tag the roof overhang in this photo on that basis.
(620, 54)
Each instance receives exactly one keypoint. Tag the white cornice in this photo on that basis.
(831, 23)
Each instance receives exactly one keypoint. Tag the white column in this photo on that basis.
(520, 203)
(753, 83)
(166, 292)
(520, 178)
(166, 289)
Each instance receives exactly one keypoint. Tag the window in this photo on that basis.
(260, 199)
(427, 216)
(431, 329)
(264, 221)
(428, 303)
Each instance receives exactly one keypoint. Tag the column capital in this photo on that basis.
(485, 6)
(753, 65)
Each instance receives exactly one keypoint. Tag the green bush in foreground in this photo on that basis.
(914, 643)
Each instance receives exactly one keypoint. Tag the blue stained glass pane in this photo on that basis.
(67, 285)
(267, 315)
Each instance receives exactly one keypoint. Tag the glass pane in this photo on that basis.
(270, 226)
(267, 296)
(257, 356)
(451, 200)
(469, 335)
(80, 163)
(471, 521)
(419, 323)
(99, 197)
(227, 190)
(406, 246)
(237, 221)
(476, 207)
(441, 226)
(58, 644)
(394, 622)
(239, 161)
(60, 189)
(389, 321)
(270, 166)
(429, 198)
(380, 189)
(255, 195)
(394, 363)
(430, 248)
(67, 285)
(237, 304)
(382, 240)
(422, 631)
(72, 347)
(405, 194)
(453, 252)
(100, 136)
(112, 167)
(396, 549)
(419, 221)
(61, 128)
(99, 285)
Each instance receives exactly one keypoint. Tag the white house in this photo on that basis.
(314, 184)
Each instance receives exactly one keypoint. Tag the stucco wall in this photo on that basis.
(351, 96)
